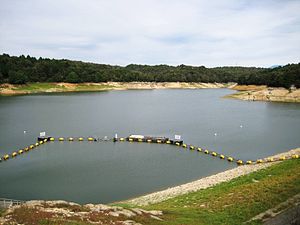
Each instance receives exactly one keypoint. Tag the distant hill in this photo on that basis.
(275, 66)
(20, 70)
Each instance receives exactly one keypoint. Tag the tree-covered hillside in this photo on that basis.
(20, 70)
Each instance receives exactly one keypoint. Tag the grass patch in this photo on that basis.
(236, 201)
(54, 87)
(2, 212)
(91, 87)
(32, 87)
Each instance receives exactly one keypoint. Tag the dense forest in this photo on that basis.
(20, 70)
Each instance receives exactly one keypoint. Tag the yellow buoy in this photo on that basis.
(177, 143)
(295, 156)
(20, 151)
(282, 158)
(71, 139)
(61, 139)
(149, 140)
(140, 140)
(184, 145)
(52, 139)
(14, 154)
(27, 148)
(270, 160)
(158, 141)
(259, 161)
(122, 139)
(6, 157)
(222, 157)
(230, 159)
(80, 139)
(249, 162)
(41, 142)
(206, 151)
(199, 149)
(90, 139)
(239, 162)
(45, 140)
(192, 147)
(168, 142)
(214, 154)
(37, 144)
(130, 139)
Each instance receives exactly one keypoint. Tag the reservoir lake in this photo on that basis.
(105, 172)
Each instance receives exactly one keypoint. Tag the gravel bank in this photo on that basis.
(205, 182)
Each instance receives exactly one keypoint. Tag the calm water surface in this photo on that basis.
(107, 172)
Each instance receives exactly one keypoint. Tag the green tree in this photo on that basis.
(17, 77)
(1, 78)
(72, 77)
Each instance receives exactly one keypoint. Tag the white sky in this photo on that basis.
(193, 32)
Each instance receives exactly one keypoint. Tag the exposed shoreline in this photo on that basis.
(264, 93)
(205, 182)
(33, 88)
(244, 92)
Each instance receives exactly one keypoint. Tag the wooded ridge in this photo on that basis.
(21, 69)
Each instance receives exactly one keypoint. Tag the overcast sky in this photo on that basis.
(193, 32)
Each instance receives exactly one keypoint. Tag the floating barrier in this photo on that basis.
(282, 158)
(239, 162)
(230, 159)
(147, 139)
(259, 161)
(249, 162)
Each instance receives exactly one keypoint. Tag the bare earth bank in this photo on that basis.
(264, 93)
(244, 92)
(10, 89)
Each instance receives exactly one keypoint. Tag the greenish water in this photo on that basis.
(106, 172)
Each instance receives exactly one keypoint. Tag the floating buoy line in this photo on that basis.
(146, 139)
